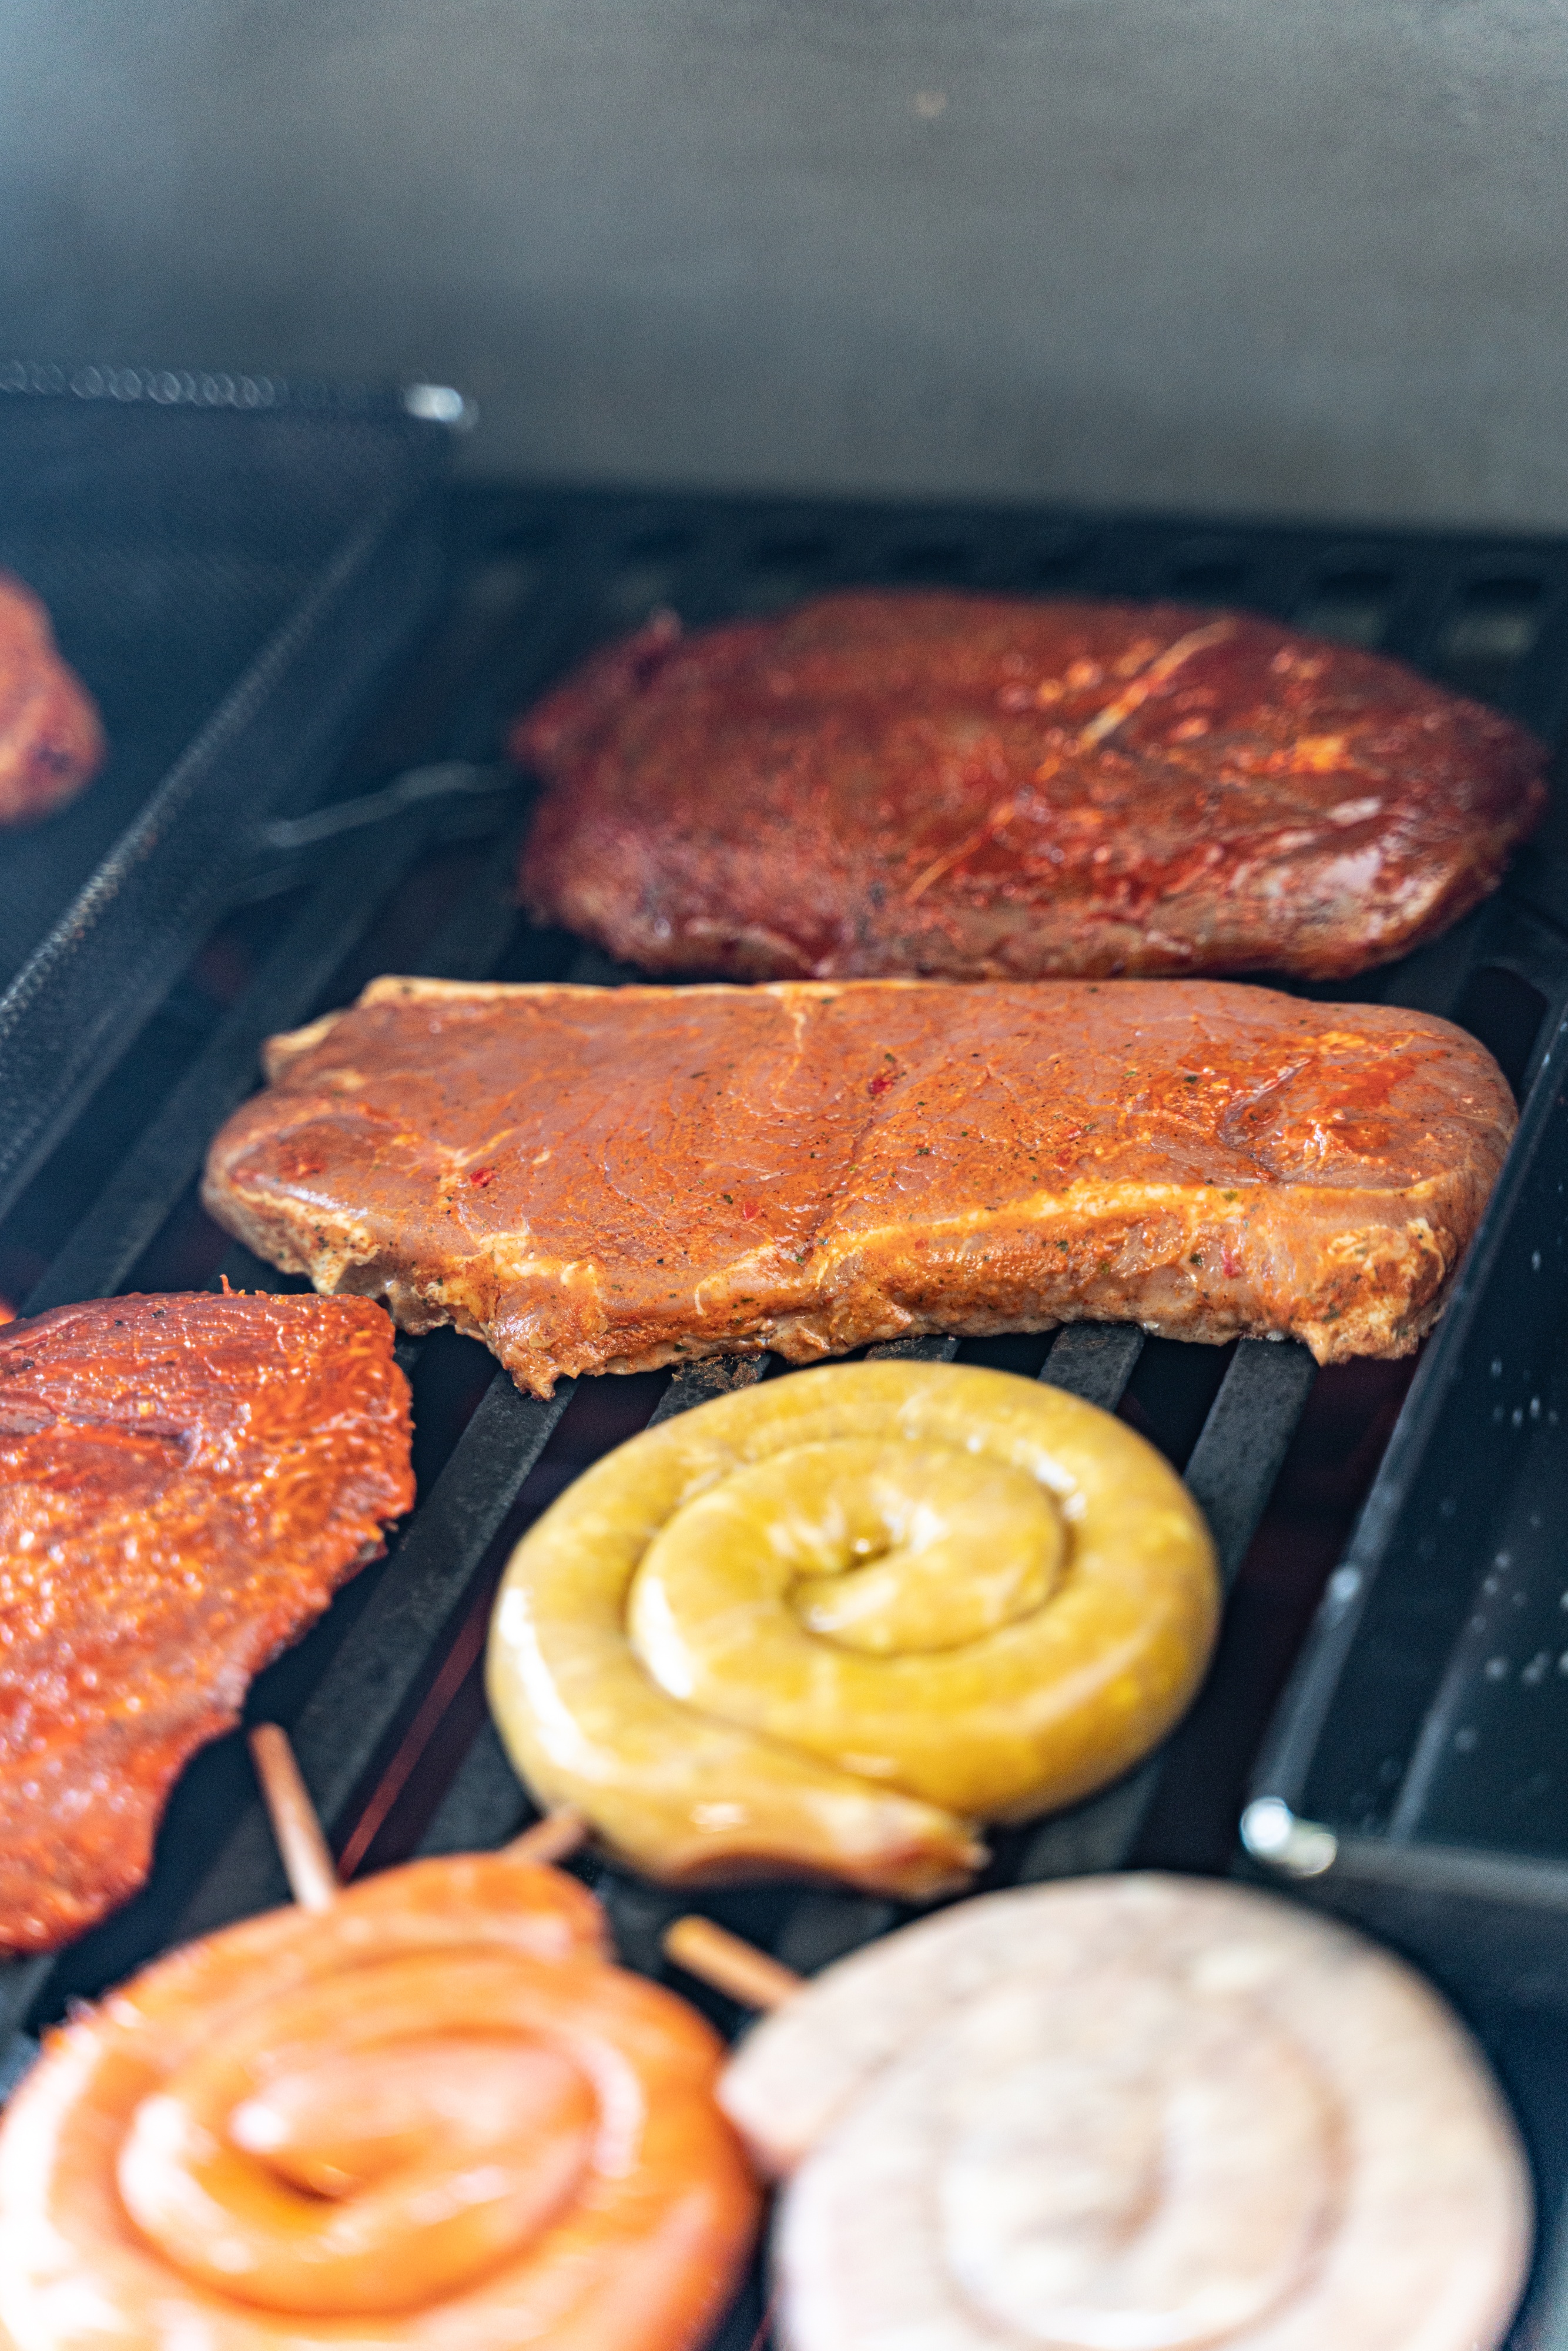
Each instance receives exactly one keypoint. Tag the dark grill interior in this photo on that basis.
(169, 548)
(407, 865)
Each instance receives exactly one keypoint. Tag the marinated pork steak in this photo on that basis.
(607, 1179)
(185, 1481)
(51, 743)
(981, 788)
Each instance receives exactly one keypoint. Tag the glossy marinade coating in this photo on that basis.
(51, 739)
(433, 2116)
(184, 1482)
(598, 1180)
(829, 1625)
(984, 787)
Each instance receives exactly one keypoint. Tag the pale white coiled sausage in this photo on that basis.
(1132, 2113)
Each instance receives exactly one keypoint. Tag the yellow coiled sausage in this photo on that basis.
(833, 1622)
(434, 2116)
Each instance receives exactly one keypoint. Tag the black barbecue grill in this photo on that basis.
(404, 860)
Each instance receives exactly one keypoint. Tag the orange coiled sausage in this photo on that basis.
(433, 2115)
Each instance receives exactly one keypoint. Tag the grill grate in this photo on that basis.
(382, 1699)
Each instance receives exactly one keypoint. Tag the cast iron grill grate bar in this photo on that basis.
(1231, 1473)
(1095, 1360)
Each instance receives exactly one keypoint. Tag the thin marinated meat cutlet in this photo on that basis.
(597, 1179)
(51, 739)
(884, 784)
(184, 1482)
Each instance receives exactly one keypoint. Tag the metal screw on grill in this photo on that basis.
(1271, 1833)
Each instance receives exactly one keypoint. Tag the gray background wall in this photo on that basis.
(1293, 255)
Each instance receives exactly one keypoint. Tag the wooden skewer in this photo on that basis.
(550, 1839)
(705, 1950)
(308, 1862)
(736, 1968)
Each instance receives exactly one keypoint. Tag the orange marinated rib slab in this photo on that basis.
(184, 1482)
(610, 1179)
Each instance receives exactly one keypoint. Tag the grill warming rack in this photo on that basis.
(233, 566)
(414, 874)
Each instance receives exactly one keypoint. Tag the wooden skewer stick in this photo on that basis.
(736, 1968)
(308, 1862)
(550, 1839)
(705, 1950)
